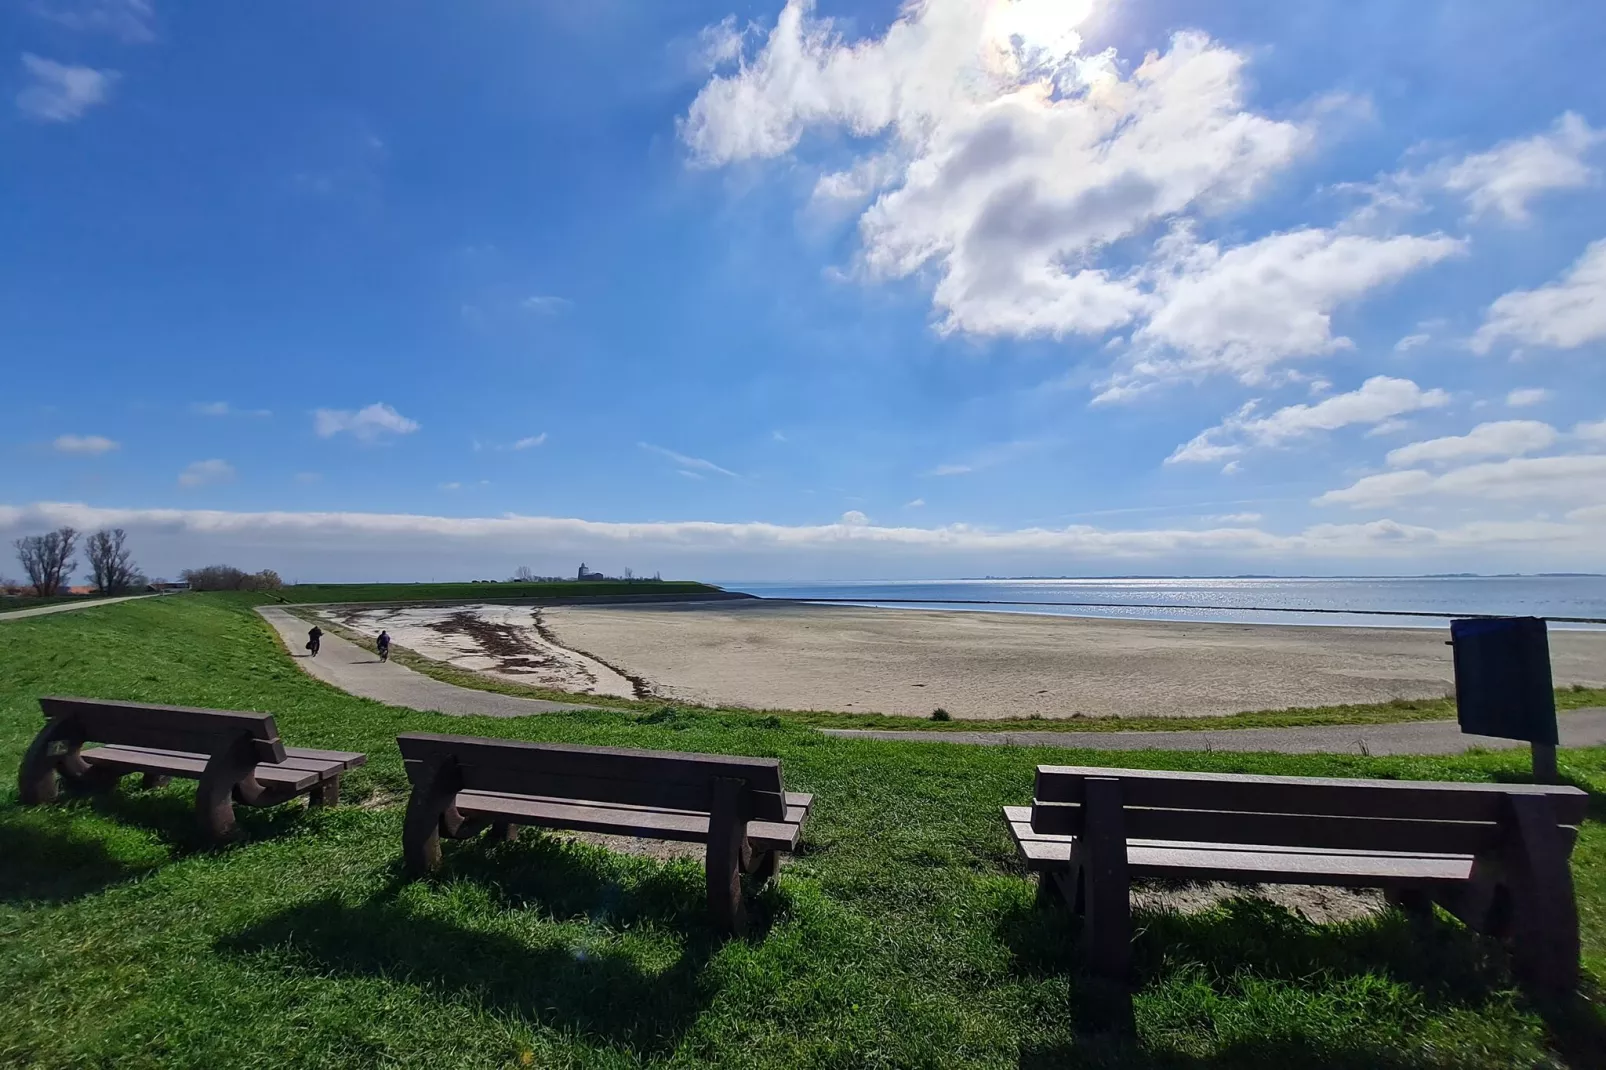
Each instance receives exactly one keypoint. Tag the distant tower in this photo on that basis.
(582, 571)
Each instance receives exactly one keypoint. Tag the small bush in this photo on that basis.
(940, 714)
(229, 578)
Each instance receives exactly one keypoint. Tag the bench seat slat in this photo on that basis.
(1247, 863)
(645, 822)
(1020, 827)
(171, 763)
(335, 762)
(347, 759)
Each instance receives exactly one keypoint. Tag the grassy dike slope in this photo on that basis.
(903, 935)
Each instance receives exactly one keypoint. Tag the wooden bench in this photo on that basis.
(737, 806)
(237, 757)
(1495, 855)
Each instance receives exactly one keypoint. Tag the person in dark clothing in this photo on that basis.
(312, 639)
(384, 646)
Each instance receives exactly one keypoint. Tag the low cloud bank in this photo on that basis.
(400, 546)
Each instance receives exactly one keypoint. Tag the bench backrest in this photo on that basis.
(1276, 811)
(182, 728)
(664, 779)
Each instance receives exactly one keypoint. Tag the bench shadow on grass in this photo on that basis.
(592, 986)
(1446, 967)
(63, 851)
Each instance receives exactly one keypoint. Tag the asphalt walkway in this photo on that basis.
(1578, 728)
(354, 670)
(64, 607)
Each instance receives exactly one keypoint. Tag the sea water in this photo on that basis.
(1391, 602)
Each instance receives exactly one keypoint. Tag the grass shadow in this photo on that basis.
(599, 987)
(1245, 939)
(58, 864)
(570, 879)
(1262, 1053)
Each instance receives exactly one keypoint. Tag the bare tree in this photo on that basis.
(630, 574)
(47, 559)
(110, 562)
(524, 574)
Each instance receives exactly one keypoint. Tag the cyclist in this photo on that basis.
(312, 639)
(384, 646)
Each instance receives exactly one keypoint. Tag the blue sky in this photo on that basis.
(793, 290)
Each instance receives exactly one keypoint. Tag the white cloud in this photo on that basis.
(1412, 341)
(918, 503)
(1245, 310)
(454, 485)
(331, 545)
(1591, 432)
(988, 457)
(529, 443)
(854, 518)
(1004, 161)
(1005, 158)
(223, 408)
(689, 465)
(1563, 314)
(1572, 480)
(1508, 176)
(59, 92)
(1236, 518)
(1507, 438)
(84, 445)
(1376, 401)
(1527, 396)
(201, 473)
(128, 20)
(545, 304)
(370, 424)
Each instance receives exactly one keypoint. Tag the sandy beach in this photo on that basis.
(783, 655)
(498, 640)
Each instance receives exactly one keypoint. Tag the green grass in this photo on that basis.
(488, 592)
(903, 935)
(1396, 711)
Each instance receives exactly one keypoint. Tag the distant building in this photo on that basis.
(164, 586)
(587, 574)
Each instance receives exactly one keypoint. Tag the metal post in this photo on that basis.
(1544, 755)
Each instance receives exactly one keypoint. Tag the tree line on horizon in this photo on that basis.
(49, 561)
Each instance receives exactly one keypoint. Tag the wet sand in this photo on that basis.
(782, 655)
(498, 640)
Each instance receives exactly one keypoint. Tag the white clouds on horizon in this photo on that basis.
(371, 424)
(1563, 314)
(264, 537)
(61, 92)
(1375, 401)
(84, 445)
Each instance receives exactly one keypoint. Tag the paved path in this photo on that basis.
(63, 607)
(356, 671)
(1579, 728)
